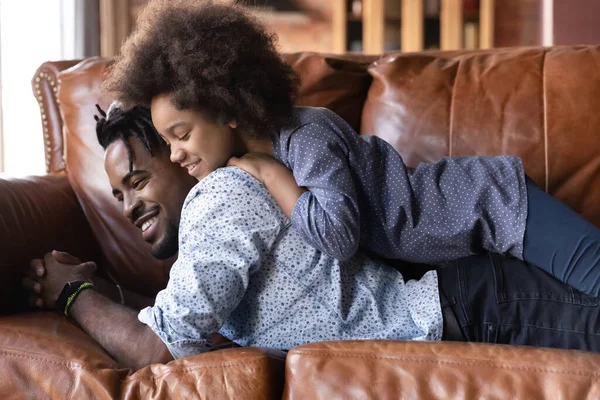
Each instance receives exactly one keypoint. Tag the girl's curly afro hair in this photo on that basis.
(211, 57)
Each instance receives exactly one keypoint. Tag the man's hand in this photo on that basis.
(36, 271)
(109, 289)
(256, 164)
(47, 278)
(115, 327)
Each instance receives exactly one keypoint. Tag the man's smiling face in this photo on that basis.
(152, 193)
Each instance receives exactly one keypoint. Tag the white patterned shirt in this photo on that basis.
(244, 272)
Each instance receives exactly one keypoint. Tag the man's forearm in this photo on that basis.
(110, 290)
(117, 329)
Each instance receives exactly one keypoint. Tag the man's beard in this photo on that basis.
(169, 245)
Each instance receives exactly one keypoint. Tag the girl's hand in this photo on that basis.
(256, 164)
(275, 176)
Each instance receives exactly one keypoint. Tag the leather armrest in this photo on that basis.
(438, 370)
(44, 355)
(37, 215)
(241, 373)
(45, 85)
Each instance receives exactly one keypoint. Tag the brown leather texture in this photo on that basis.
(537, 103)
(45, 89)
(45, 356)
(243, 373)
(38, 215)
(338, 83)
(436, 370)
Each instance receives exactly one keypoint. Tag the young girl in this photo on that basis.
(220, 94)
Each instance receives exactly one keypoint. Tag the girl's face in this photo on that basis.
(197, 144)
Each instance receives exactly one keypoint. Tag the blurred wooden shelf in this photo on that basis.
(413, 25)
(341, 26)
(283, 17)
(354, 18)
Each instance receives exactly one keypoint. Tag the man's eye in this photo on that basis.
(119, 199)
(184, 137)
(136, 184)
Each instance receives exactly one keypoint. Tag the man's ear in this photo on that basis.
(232, 124)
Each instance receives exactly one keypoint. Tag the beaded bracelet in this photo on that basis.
(71, 299)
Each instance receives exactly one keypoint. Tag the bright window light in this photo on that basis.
(31, 32)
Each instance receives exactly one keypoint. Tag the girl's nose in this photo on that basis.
(177, 154)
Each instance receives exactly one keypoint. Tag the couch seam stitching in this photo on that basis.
(470, 363)
(77, 365)
(451, 122)
(66, 363)
(191, 369)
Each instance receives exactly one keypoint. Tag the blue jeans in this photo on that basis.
(495, 299)
(561, 242)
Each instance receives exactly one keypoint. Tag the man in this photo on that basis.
(244, 272)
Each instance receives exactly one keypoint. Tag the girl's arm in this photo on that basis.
(327, 214)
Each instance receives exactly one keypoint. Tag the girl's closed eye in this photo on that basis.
(185, 137)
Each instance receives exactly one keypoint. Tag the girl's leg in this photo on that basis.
(497, 299)
(561, 242)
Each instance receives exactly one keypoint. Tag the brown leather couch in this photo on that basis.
(540, 104)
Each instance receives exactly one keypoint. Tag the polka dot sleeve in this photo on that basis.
(327, 215)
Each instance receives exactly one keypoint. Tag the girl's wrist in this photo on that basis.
(271, 172)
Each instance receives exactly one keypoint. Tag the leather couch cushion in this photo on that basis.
(44, 356)
(339, 83)
(243, 373)
(33, 212)
(436, 370)
(572, 126)
(538, 104)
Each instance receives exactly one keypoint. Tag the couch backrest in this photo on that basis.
(536, 103)
(540, 104)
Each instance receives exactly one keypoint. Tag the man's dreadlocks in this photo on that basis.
(123, 125)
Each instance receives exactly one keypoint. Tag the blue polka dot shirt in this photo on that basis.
(244, 272)
(362, 195)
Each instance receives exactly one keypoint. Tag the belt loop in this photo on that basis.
(452, 331)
